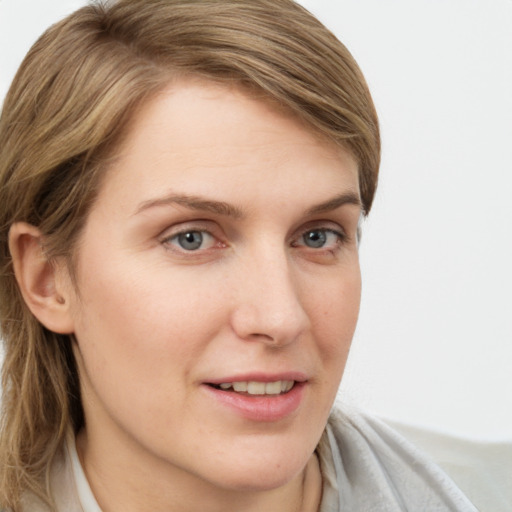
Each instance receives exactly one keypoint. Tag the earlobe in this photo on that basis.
(41, 281)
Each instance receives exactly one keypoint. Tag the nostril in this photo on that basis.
(258, 335)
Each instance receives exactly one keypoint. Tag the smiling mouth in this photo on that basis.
(256, 388)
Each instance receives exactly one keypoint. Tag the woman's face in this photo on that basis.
(218, 291)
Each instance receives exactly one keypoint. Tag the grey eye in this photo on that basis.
(191, 240)
(315, 239)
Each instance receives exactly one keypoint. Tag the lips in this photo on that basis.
(261, 398)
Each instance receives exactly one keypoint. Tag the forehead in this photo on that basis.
(195, 130)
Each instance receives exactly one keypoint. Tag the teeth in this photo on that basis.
(273, 388)
(288, 385)
(240, 387)
(259, 388)
(256, 388)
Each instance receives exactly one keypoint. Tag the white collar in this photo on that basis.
(83, 489)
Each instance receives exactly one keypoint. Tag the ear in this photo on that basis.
(45, 285)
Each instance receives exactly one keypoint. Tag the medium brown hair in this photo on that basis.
(66, 110)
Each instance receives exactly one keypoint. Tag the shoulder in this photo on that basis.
(376, 468)
(483, 470)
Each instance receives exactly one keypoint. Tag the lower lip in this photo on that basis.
(264, 408)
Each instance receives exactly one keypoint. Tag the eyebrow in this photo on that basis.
(226, 209)
(193, 203)
(336, 202)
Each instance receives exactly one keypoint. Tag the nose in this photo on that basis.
(268, 306)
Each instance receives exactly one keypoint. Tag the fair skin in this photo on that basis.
(221, 249)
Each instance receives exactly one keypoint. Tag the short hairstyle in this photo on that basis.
(67, 110)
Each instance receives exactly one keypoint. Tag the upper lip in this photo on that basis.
(260, 377)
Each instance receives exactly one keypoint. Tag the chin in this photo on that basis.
(260, 470)
(259, 481)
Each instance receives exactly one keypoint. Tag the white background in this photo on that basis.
(434, 342)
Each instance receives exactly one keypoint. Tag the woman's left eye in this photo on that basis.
(320, 238)
(192, 240)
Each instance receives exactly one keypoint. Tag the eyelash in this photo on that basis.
(184, 233)
(341, 239)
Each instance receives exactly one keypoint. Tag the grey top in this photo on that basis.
(366, 467)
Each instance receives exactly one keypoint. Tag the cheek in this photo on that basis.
(139, 340)
(142, 325)
(143, 299)
(336, 311)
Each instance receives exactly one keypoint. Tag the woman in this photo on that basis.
(182, 183)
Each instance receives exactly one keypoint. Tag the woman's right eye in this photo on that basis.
(191, 240)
